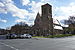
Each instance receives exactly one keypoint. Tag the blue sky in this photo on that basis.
(14, 11)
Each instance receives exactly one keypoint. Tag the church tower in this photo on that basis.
(46, 10)
(47, 20)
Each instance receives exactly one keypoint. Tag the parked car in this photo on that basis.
(26, 36)
(18, 35)
(11, 36)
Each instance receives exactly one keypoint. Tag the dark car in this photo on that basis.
(11, 36)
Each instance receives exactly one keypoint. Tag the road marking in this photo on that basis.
(9, 46)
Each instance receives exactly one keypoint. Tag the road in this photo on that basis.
(67, 43)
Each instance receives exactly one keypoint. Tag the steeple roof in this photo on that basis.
(38, 15)
(46, 4)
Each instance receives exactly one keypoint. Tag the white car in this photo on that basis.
(26, 36)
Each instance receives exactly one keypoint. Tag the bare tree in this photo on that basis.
(71, 20)
(20, 28)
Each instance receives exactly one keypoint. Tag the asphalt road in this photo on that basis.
(67, 43)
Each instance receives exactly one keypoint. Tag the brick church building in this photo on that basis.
(43, 24)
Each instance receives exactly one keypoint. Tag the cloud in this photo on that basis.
(36, 7)
(1, 4)
(2, 8)
(25, 2)
(8, 6)
(63, 12)
(20, 20)
(2, 20)
(20, 13)
(68, 10)
(23, 14)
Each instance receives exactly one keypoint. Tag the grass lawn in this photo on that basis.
(39, 37)
(55, 36)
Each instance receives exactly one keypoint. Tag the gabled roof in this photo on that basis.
(58, 27)
(55, 21)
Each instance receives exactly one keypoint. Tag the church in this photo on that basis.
(44, 24)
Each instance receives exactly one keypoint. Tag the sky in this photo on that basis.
(14, 11)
